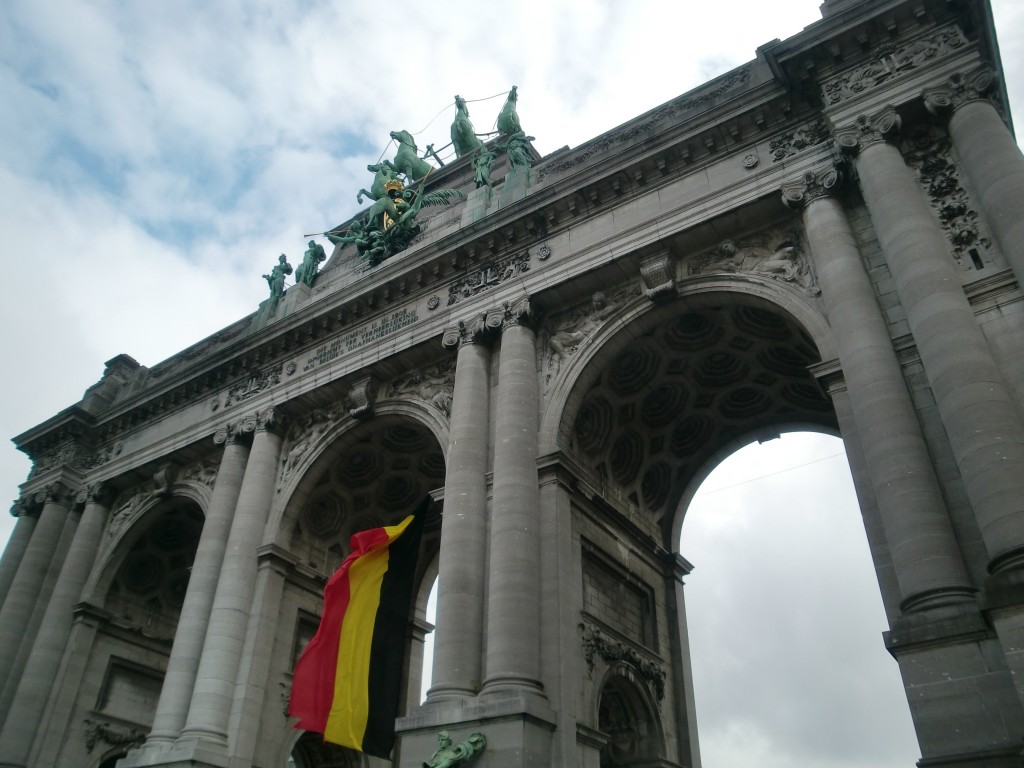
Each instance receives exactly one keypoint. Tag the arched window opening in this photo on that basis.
(625, 718)
(784, 615)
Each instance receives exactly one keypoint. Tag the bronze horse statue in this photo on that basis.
(464, 138)
(407, 159)
(383, 172)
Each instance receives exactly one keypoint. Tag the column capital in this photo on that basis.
(867, 130)
(226, 434)
(267, 419)
(961, 88)
(54, 493)
(815, 184)
(95, 493)
(465, 332)
(517, 312)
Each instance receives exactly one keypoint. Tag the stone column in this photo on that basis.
(928, 563)
(27, 584)
(254, 678)
(460, 590)
(16, 546)
(44, 659)
(513, 605)
(988, 155)
(183, 664)
(976, 408)
(210, 707)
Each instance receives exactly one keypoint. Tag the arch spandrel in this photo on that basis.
(653, 403)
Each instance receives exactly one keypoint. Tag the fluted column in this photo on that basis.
(16, 546)
(210, 706)
(183, 664)
(977, 411)
(928, 563)
(460, 594)
(513, 605)
(988, 155)
(27, 584)
(44, 659)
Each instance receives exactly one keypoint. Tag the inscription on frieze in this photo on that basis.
(361, 336)
(488, 276)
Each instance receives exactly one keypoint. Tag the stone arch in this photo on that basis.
(629, 720)
(619, 329)
(122, 536)
(322, 435)
(670, 385)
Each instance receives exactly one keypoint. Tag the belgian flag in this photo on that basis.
(348, 679)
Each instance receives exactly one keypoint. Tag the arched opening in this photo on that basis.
(628, 722)
(784, 615)
(311, 751)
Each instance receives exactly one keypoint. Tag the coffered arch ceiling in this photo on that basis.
(375, 474)
(675, 389)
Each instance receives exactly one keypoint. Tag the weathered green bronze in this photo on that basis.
(310, 263)
(383, 172)
(482, 167)
(407, 159)
(276, 280)
(464, 139)
(508, 118)
(518, 151)
(448, 756)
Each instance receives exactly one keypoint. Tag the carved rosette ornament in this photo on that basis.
(958, 90)
(816, 184)
(883, 126)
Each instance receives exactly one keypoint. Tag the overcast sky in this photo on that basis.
(156, 157)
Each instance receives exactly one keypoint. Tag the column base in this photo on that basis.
(180, 754)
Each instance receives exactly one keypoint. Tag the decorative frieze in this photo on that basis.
(798, 139)
(488, 276)
(254, 385)
(597, 645)
(893, 63)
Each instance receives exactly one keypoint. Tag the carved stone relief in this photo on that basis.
(892, 63)
(597, 645)
(488, 276)
(798, 139)
(776, 255)
(108, 734)
(928, 152)
(302, 435)
(434, 386)
(253, 385)
(567, 333)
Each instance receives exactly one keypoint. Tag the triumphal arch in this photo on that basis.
(559, 349)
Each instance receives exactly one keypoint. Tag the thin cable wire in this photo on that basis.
(770, 474)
